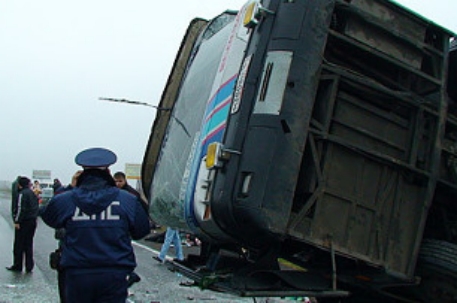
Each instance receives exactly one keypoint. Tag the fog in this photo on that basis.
(59, 57)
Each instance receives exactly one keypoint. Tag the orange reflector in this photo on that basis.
(250, 15)
(212, 155)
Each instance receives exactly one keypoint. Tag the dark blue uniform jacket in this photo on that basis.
(100, 221)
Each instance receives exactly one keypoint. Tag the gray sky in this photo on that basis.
(58, 57)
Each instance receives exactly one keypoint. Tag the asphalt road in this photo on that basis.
(158, 284)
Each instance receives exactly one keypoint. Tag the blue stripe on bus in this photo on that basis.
(215, 120)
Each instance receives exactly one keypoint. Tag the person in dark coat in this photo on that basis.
(121, 182)
(24, 213)
(56, 185)
(100, 221)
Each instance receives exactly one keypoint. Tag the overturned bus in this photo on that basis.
(312, 146)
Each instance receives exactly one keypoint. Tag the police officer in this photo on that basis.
(100, 220)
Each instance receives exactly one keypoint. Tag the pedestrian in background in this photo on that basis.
(56, 185)
(121, 182)
(171, 237)
(100, 220)
(24, 213)
(36, 188)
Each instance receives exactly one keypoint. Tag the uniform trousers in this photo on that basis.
(95, 286)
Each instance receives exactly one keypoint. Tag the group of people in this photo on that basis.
(38, 190)
(99, 214)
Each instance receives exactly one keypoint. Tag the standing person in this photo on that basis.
(171, 236)
(37, 188)
(25, 213)
(56, 185)
(121, 182)
(100, 220)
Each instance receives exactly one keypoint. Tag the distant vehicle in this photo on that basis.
(47, 191)
(312, 146)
